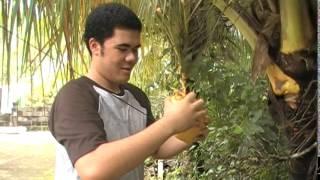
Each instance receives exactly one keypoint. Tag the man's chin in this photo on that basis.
(124, 80)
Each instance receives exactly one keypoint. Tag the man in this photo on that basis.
(103, 125)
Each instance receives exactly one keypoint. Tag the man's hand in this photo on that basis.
(183, 114)
(175, 145)
(196, 133)
(203, 131)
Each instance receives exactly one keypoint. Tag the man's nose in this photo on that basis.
(132, 57)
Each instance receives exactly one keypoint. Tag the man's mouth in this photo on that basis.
(128, 69)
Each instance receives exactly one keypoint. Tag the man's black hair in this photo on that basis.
(102, 21)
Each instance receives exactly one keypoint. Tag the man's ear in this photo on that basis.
(94, 46)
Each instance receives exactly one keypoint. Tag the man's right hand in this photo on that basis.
(183, 114)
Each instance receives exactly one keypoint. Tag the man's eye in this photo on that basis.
(122, 49)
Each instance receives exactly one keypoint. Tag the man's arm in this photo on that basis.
(113, 159)
(170, 148)
(174, 146)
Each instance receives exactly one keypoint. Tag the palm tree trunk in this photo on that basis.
(291, 71)
(297, 32)
(298, 59)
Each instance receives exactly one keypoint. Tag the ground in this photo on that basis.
(26, 156)
(31, 156)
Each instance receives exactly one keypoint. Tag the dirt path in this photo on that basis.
(26, 156)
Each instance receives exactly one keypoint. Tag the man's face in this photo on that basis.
(118, 55)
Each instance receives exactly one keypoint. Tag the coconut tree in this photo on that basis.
(282, 37)
(282, 34)
(38, 34)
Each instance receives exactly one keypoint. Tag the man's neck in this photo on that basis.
(105, 83)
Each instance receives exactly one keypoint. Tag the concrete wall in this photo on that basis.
(34, 118)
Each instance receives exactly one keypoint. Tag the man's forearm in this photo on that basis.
(111, 160)
(170, 148)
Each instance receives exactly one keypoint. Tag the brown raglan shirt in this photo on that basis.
(85, 115)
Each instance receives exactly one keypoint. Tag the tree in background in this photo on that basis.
(282, 34)
(282, 37)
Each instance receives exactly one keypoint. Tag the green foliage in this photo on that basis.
(242, 137)
(242, 134)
